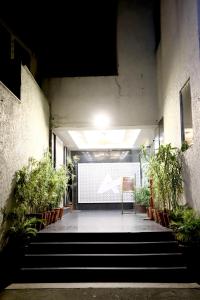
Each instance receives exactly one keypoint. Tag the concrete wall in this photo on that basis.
(24, 130)
(130, 98)
(178, 60)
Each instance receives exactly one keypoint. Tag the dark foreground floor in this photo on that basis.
(102, 294)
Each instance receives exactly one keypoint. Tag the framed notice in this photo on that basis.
(128, 184)
(128, 187)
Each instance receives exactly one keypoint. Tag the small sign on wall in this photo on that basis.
(128, 184)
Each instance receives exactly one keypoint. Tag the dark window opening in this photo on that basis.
(12, 55)
(186, 114)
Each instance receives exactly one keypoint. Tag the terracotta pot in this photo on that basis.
(166, 218)
(56, 214)
(154, 214)
(150, 213)
(51, 216)
(61, 213)
(140, 208)
(161, 217)
(47, 217)
(157, 216)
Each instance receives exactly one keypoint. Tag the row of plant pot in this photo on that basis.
(159, 216)
(48, 217)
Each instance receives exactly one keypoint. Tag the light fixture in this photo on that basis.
(105, 139)
(101, 121)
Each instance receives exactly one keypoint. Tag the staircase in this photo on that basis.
(103, 257)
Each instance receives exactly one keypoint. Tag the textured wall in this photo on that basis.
(130, 98)
(24, 130)
(178, 60)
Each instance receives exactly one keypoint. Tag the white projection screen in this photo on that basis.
(101, 182)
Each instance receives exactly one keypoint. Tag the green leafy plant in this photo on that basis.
(20, 227)
(165, 168)
(185, 146)
(176, 215)
(185, 222)
(39, 186)
(142, 196)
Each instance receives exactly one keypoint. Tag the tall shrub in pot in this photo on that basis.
(165, 170)
(39, 187)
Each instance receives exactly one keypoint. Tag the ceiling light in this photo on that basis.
(105, 139)
(101, 121)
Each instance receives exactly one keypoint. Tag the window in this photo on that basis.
(186, 114)
(12, 55)
(10, 66)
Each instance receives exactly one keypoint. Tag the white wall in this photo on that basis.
(24, 130)
(130, 98)
(102, 182)
(178, 60)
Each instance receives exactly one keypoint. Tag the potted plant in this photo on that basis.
(142, 197)
(21, 228)
(39, 188)
(165, 171)
(38, 192)
(185, 222)
(18, 230)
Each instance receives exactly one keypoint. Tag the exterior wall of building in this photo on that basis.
(24, 130)
(129, 98)
(178, 61)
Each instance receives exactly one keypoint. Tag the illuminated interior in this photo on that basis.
(105, 139)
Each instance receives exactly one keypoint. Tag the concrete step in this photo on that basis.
(105, 236)
(120, 257)
(102, 247)
(104, 260)
(103, 274)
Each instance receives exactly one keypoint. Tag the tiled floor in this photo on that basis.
(104, 221)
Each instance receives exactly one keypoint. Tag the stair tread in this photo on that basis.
(167, 231)
(99, 243)
(105, 254)
(91, 257)
(104, 268)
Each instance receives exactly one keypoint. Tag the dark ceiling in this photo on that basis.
(70, 38)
